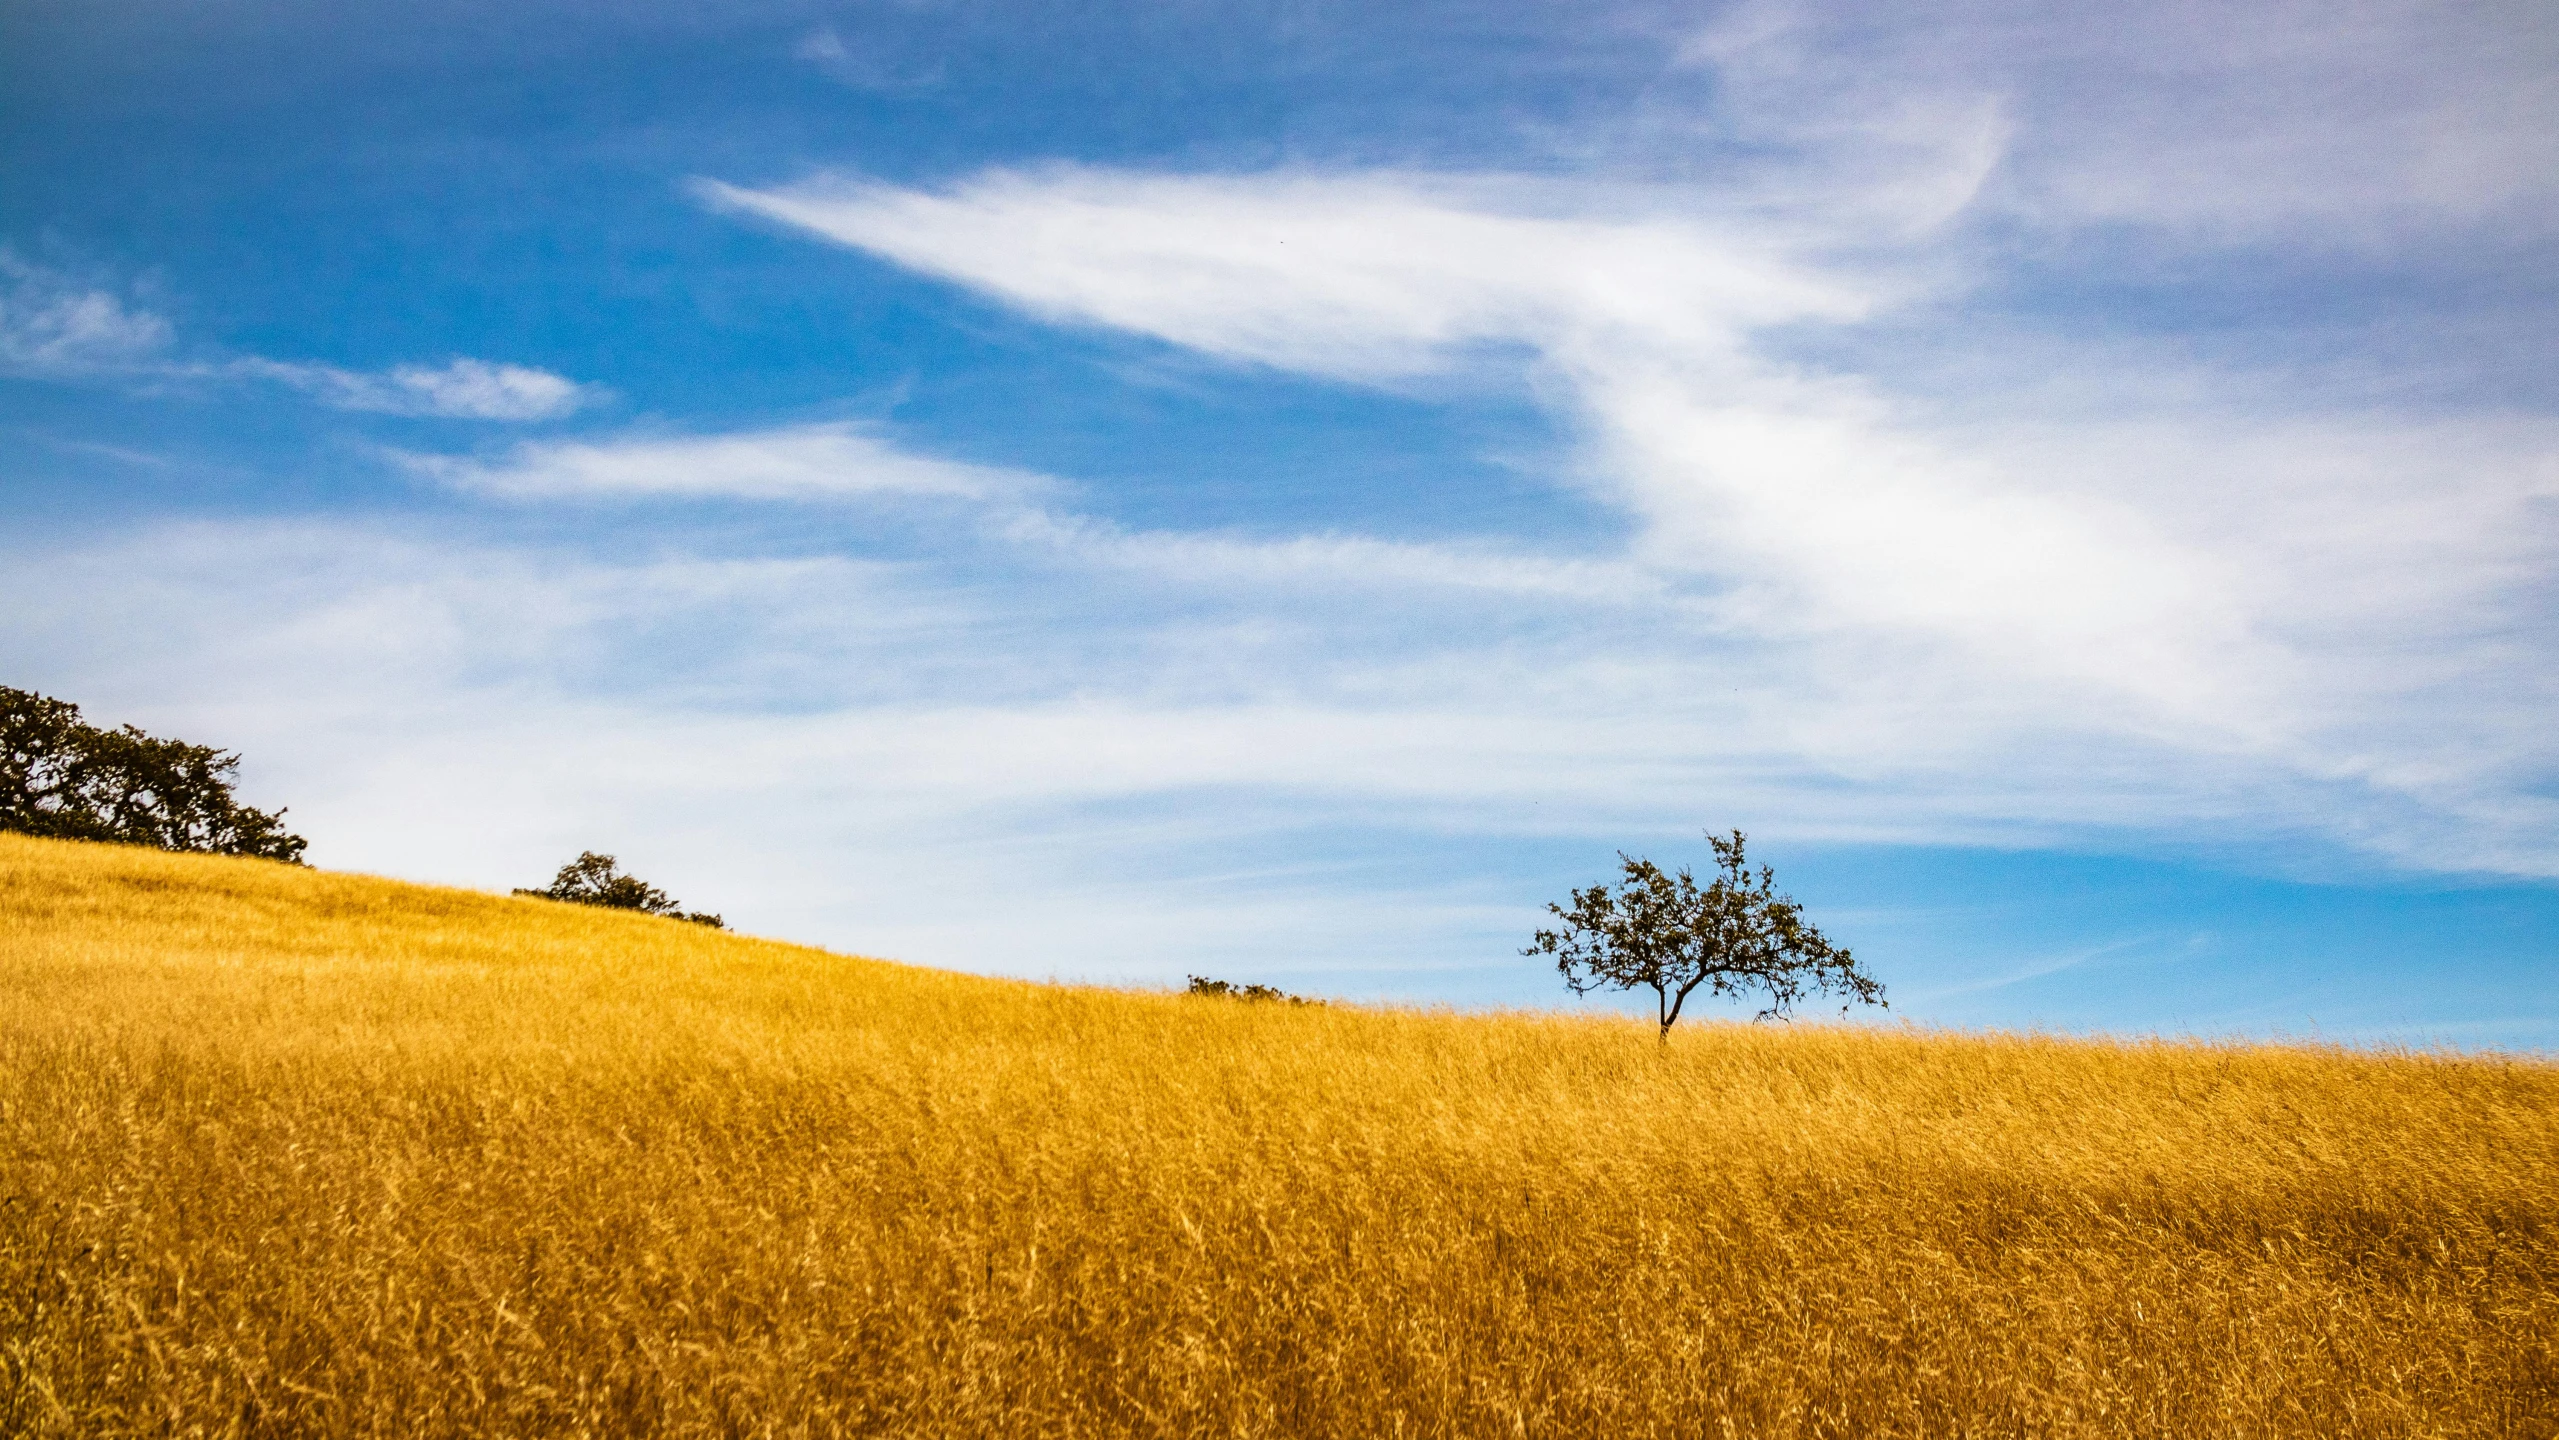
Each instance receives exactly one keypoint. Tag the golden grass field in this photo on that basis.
(285, 1152)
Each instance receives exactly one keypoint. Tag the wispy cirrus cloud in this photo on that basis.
(1800, 485)
(2337, 600)
(54, 327)
(1360, 276)
(2411, 739)
(800, 462)
(2359, 124)
(1022, 511)
(463, 389)
(50, 325)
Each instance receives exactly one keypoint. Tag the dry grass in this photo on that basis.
(288, 1153)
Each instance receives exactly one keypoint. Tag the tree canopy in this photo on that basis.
(66, 779)
(1734, 935)
(593, 879)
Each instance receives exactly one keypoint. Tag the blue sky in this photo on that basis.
(1282, 491)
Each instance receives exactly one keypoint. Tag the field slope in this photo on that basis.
(285, 1152)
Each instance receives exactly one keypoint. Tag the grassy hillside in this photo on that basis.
(294, 1153)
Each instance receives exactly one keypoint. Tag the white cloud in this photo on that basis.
(1365, 276)
(51, 326)
(54, 328)
(2286, 603)
(461, 389)
(1351, 563)
(2354, 123)
(800, 462)
(1802, 487)
(479, 390)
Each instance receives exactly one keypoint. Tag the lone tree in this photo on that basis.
(1734, 935)
(66, 779)
(592, 879)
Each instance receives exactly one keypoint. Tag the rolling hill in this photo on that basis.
(288, 1152)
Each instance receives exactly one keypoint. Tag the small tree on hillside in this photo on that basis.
(593, 879)
(64, 778)
(1666, 933)
(1229, 990)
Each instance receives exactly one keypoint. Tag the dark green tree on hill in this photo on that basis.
(1229, 990)
(1664, 932)
(65, 779)
(593, 879)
